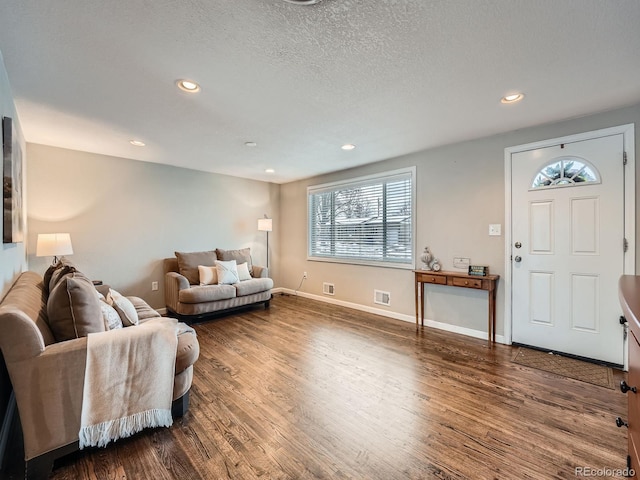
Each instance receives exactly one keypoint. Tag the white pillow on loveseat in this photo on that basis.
(227, 272)
(243, 272)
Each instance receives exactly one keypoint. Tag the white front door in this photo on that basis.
(567, 247)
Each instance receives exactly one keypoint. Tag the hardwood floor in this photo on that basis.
(308, 390)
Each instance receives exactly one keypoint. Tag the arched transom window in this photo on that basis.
(566, 171)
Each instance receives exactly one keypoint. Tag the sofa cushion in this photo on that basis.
(55, 272)
(227, 272)
(240, 256)
(188, 347)
(110, 316)
(208, 275)
(255, 285)
(188, 264)
(125, 308)
(243, 271)
(206, 293)
(73, 308)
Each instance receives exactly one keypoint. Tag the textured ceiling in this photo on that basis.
(391, 76)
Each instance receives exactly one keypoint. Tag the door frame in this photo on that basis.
(628, 132)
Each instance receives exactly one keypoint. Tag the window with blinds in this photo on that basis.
(366, 220)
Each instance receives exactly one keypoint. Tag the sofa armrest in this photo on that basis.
(48, 391)
(143, 309)
(173, 283)
(259, 272)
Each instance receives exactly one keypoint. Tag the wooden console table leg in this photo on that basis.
(417, 311)
(492, 316)
(422, 303)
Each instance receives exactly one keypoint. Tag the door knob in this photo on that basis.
(518, 245)
(624, 388)
(518, 259)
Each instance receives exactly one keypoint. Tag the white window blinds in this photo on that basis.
(366, 220)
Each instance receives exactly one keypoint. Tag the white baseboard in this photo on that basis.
(398, 316)
(161, 311)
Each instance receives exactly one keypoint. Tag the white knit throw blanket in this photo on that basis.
(128, 381)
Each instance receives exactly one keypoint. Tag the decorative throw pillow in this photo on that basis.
(56, 272)
(208, 275)
(110, 316)
(240, 256)
(188, 264)
(227, 272)
(243, 271)
(125, 309)
(73, 308)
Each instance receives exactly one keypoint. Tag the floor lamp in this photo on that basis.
(266, 225)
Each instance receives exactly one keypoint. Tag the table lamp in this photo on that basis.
(56, 244)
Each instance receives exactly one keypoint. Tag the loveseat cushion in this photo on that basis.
(188, 264)
(255, 285)
(206, 293)
(73, 308)
(240, 256)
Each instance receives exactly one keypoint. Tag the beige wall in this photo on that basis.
(460, 191)
(125, 216)
(12, 255)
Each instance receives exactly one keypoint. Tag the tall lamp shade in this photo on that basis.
(266, 225)
(53, 244)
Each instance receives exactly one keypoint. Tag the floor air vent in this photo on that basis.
(382, 298)
(328, 288)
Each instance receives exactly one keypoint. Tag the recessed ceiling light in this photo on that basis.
(250, 144)
(348, 146)
(137, 143)
(188, 86)
(269, 170)
(514, 97)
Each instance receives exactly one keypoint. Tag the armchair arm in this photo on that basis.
(259, 272)
(173, 283)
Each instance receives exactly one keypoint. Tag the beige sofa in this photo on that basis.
(48, 376)
(186, 297)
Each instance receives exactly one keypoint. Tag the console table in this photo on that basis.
(456, 279)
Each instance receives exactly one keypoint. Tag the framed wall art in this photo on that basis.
(12, 205)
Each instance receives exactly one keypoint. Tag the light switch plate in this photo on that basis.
(495, 229)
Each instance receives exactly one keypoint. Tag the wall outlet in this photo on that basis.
(154, 286)
(304, 275)
(495, 229)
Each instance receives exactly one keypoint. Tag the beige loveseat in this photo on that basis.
(187, 297)
(48, 376)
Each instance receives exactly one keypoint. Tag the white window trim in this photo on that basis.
(366, 179)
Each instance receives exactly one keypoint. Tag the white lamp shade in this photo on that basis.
(265, 224)
(53, 245)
